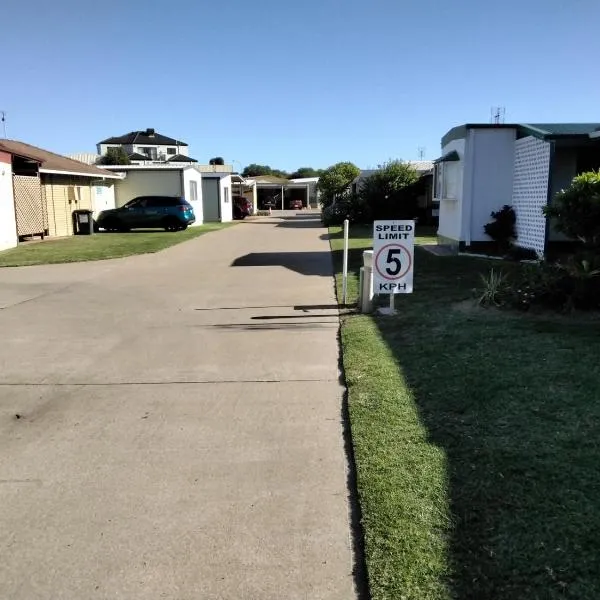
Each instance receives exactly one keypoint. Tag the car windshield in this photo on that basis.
(132, 203)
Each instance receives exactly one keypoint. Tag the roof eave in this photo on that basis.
(79, 174)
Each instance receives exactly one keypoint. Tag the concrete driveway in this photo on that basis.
(170, 424)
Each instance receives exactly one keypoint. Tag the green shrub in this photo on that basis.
(495, 289)
(349, 206)
(334, 181)
(502, 228)
(390, 192)
(576, 210)
(572, 285)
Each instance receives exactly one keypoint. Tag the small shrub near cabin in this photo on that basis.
(503, 227)
(575, 211)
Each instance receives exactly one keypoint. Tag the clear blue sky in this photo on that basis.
(293, 84)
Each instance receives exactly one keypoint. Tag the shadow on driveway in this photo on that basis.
(305, 263)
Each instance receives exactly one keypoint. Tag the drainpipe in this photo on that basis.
(282, 208)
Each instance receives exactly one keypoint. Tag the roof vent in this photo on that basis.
(150, 132)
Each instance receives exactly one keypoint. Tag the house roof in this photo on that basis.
(421, 166)
(89, 158)
(148, 137)
(137, 156)
(544, 131)
(304, 180)
(555, 130)
(181, 158)
(151, 166)
(448, 157)
(270, 179)
(53, 163)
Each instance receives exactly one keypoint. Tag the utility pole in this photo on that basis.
(3, 119)
(421, 152)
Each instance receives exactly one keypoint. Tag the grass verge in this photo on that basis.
(99, 246)
(475, 435)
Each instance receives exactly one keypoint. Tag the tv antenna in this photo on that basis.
(421, 152)
(3, 119)
(497, 115)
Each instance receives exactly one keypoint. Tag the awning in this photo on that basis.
(450, 156)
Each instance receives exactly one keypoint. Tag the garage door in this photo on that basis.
(210, 200)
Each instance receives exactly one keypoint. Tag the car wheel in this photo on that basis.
(172, 224)
(111, 225)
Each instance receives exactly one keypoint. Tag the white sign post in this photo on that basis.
(393, 258)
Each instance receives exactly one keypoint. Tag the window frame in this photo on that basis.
(193, 190)
(442, 178)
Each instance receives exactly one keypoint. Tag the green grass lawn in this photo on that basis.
(99, 246)
(477, 442)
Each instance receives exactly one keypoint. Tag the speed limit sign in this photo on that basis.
(393, 257)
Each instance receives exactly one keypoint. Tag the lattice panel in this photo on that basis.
(32, 218)
(530, 192)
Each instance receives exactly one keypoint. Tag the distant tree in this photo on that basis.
(218, 160)
(305, 172)
(390, 193)
(114, 156)
(255, 170)
(336, 181)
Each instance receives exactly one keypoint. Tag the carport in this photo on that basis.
(280, 192)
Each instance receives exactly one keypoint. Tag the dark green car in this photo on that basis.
(171, 213)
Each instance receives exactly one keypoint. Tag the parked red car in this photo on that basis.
(241, 207)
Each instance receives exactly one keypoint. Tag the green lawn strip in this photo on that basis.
(476, 442)
(99, 246)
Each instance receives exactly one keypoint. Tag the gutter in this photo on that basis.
(96, 175)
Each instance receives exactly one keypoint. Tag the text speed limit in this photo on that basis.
(393, 252)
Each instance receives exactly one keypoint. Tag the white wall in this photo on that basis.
(8, 224)
(162, 149)
(450, 220)
(190, 174)
(226, 202)
(217, 198)
(103, 197)
(129, 148)
(530, 191)
(148, 183)
(490, 183)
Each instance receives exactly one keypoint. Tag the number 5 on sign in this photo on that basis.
(393, 257)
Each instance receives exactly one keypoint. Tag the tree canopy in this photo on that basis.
(255, 170)
(114, 156)
(575, 211)
(303, 172)
(218, 160)
(336, 180)
(390, 191)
